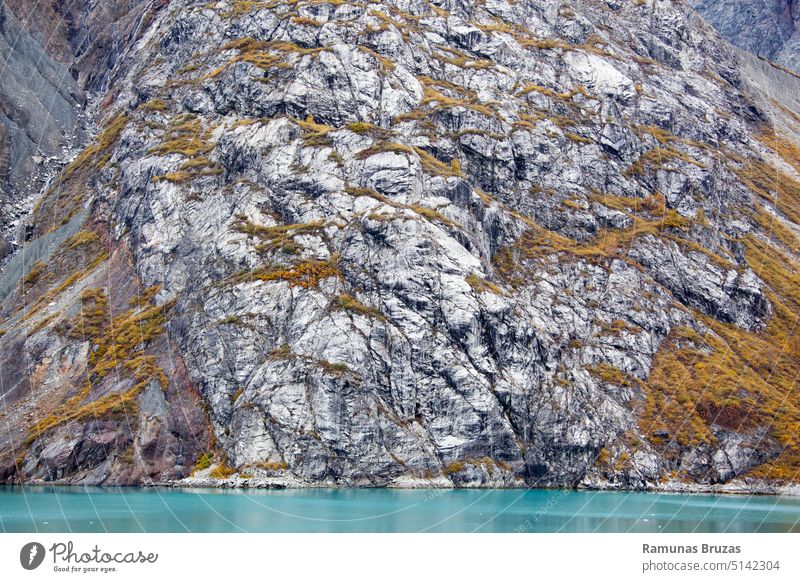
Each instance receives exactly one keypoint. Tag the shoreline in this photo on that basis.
(759, 488)
(737, 487)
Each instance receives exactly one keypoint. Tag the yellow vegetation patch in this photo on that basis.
(487, 463)
(191, 169)
(82, 238)
(222, 471)
(610, 374)
(733, 378)
(266, 55)
(481, 285)
(306, 274)
(64, 285)
(769, 182)
(203, 462)
(185, 136)
(97, 151)
(653, 218)
(241, 8)
(35, 273)
(428, 162)
(437, 99)
(350, 303)
(561, 96)
(154, 105)
(278, 238)
(659, 159)
(118, 345)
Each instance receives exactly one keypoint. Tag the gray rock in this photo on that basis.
(767, 28)
(402, 247)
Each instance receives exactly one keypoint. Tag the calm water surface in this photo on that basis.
(44, 509)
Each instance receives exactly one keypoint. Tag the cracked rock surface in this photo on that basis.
(412, 243)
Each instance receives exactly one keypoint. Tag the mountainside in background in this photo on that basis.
(52, 54)
(767, 28)
(415, 242)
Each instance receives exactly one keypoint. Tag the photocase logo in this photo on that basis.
(31, 555)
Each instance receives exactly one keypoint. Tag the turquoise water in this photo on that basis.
(41, 509)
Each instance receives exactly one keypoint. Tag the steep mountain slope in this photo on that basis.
(767, 28)
(39, 103)
(479, 243)
(52, 54)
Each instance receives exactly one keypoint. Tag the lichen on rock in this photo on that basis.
(463, 243)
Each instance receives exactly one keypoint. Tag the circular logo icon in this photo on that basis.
(31, 555)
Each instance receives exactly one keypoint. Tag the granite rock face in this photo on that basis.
(467, 243)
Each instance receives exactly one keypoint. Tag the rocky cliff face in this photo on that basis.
(454, 242)
(767, 28)
(53, 53)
